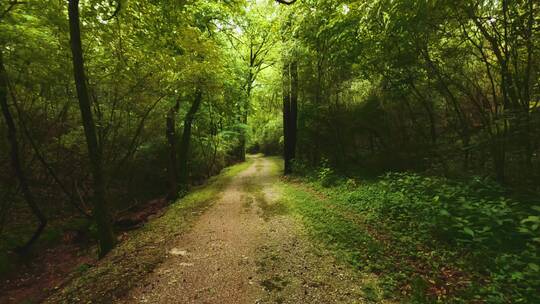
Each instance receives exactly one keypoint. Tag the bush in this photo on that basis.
(326, 175)
(491, 233)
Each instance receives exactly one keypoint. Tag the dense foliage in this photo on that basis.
(450, 86)
(108, 105)
(429, 237)
(142, 60)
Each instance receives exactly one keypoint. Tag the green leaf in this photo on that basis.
(468, 231)
(444, 212)
(531, 219)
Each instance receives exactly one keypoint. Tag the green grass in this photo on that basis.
(145, 248)
(427, 240)
(351, 242)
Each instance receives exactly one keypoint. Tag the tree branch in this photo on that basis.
(10, 7)
(286, 2)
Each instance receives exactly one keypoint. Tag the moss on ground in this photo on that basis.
(145, 248)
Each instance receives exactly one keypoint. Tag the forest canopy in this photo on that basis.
(108, 105)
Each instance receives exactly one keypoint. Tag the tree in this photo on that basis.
(138, 62)
(186, 137)
(254, 37)
(173, 151)
(16, 159)
(15, 154)
(101, 215)
(290, 116)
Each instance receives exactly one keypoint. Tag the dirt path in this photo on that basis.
(247, 249)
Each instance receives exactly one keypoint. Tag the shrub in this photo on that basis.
(489, 232)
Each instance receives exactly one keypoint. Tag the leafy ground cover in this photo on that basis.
(429, 239)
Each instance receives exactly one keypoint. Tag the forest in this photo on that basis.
(270, 151)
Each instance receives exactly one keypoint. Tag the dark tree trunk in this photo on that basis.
(293, 126)
(242, 147)
(245, 113)
(186, 138)
(16, 160)
(286, 120)
(499, 161)
(101, 214)
(290, 114)
(173, 163)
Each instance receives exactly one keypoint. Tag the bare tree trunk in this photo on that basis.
(290, 113)
(499, 161)
(101, 214)
(293, 126)
(186, 138)
(16, 160)
(173, 163)
(245, 113)
(286, 120)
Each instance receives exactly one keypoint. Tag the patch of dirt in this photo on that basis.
(218, 266)
(143, 249)
(136, 216)
(247, 249)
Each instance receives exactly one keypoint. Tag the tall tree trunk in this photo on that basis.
(16, 160)
(286, 120)
(293, 126)
(528, 84)
(186, 138)
(101, 214)
(245, 113)
(290, 113)
(242, 147)
(499, 161)
(173, 163)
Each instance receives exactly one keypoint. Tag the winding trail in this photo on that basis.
(247, 248)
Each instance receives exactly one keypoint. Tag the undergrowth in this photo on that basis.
(132, 259)
(431, 240)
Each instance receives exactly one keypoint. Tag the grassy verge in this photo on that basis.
(132, 259)
(338, 231)
(429, 240)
